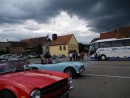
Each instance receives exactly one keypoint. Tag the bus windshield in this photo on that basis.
(93, 48)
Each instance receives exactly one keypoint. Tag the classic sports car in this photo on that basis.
(17, 80)
(71, 68)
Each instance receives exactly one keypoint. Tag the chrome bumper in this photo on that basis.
(82, 69)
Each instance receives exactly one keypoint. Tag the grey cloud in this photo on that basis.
(102, 14)
(17, 11)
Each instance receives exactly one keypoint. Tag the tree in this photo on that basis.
(83, 47)
(2, 52)
(39, 49)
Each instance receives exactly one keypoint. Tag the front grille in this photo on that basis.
(53, 88)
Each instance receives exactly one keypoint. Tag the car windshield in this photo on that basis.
(13, 67)
(57, 60)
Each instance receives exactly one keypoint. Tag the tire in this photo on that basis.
(35, 68)
(7, 94)
(103, 57)
(70, 71)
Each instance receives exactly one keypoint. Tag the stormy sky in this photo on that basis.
(86, 19)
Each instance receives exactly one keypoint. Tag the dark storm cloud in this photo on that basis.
(101, 15)
(17, 11)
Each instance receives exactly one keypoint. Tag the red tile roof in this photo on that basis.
(123, 32)
(62, 40)
(107, 35)
(32, 42)
(17, 50)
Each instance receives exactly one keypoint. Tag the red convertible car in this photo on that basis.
(17, 80)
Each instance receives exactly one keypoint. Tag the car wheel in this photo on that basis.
(70, 71)
(34, 68)
(103, 57)
(7, 94)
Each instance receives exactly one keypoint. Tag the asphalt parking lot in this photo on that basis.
(102, 79)
(107, 79)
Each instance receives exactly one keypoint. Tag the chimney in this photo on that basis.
(54, 36)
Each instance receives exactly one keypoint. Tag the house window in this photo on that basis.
(64, 47)
(60, 47)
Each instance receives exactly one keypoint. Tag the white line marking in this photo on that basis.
(107, 67)
(123, 77)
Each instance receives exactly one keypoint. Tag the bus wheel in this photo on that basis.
(103, 57)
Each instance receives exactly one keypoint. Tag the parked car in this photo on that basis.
(17, 80)
(4, 56)
(56, 64)
(12, 57)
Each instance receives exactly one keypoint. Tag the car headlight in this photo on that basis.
(35, 94)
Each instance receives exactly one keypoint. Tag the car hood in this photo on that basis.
(34, 78)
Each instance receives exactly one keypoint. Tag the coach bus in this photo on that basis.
(110, 49)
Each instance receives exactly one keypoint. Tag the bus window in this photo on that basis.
(96, 46)
(102, 44)
(127, 42)
(108, 44)
(105, 44)
(117, 43)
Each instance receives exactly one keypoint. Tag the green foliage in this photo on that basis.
(39, 49)
(5, 51)
(83, 47)
(2, 52)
